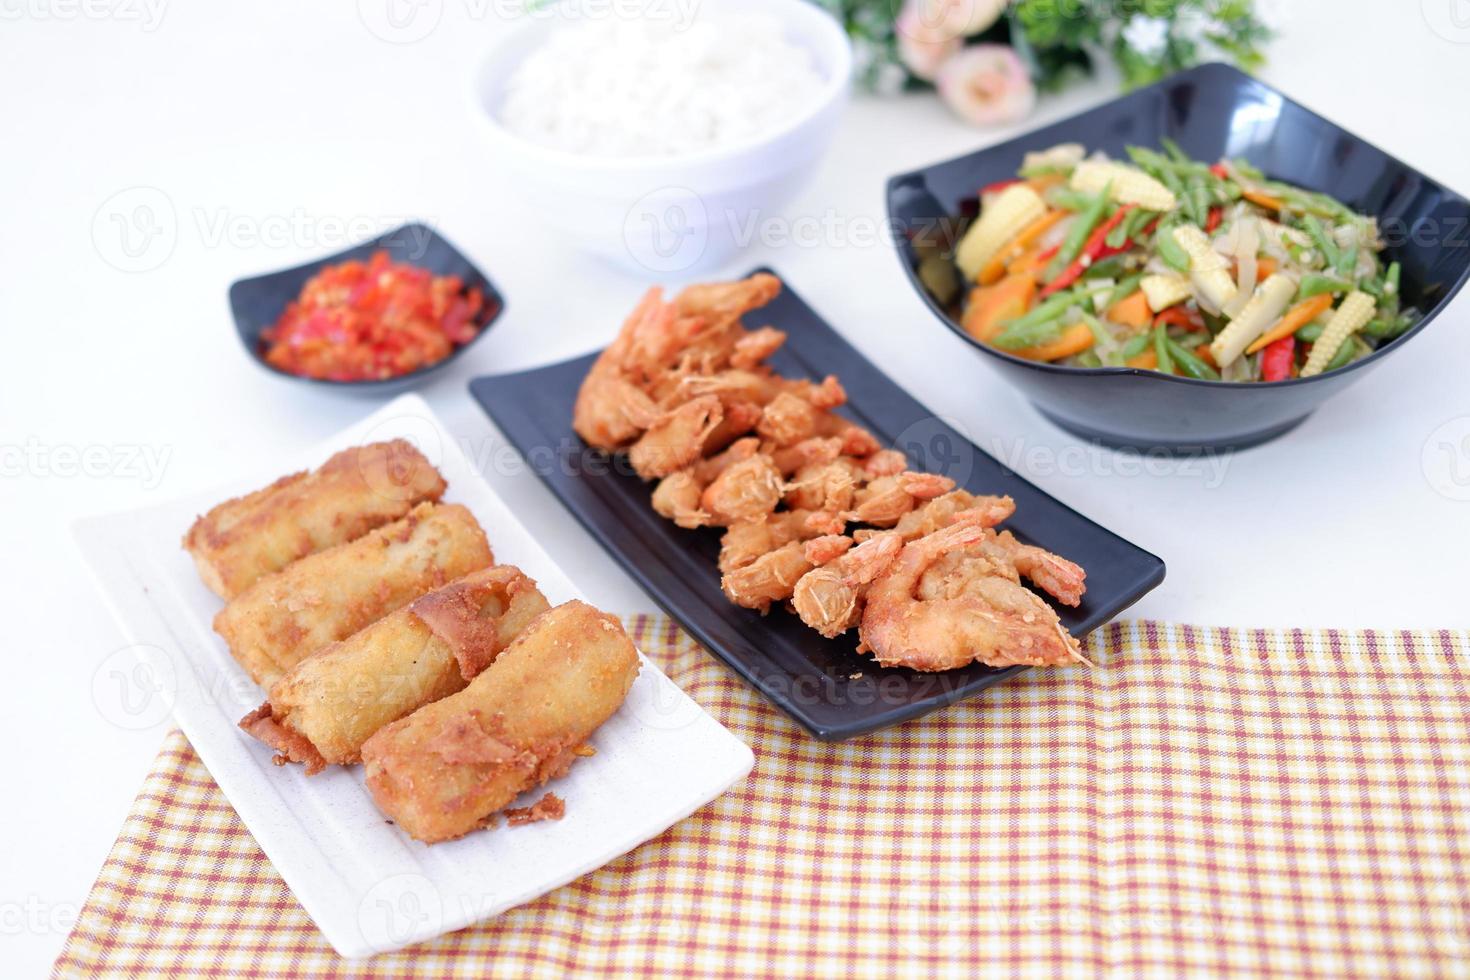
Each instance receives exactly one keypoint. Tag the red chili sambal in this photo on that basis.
(365, 321)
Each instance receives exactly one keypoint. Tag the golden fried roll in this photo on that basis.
(285, 617)
(325, 707)
(448, 767)
(242, 540)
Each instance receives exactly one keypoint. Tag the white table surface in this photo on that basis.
(275, 134)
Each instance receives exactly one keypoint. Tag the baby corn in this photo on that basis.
(1207, 267)
(1351, 316)
(1265, 308)
(1130, 185)
(1012, 210)
(1164, 291)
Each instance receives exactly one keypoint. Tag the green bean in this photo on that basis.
(1121, 231)
(1189, 363)
(1347, 260)
(1122, 291)
(1325, 245)
(1391, 279)
(1172, 148)
(1042, 170)
(1137, 345)
(1089, 359)
(1169, 250)
(1082, 227)
(1345, 355)
(1064, 197)
(1099, 332)
(1161, 349)
(1199, 200)
(1315, 285)
(1310, 332)
(1041, 324)
(1388, 327)
(1247, 169)
(1107, 268)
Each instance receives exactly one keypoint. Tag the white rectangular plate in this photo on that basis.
(367, 885)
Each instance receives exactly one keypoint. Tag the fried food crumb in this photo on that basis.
(584, 751)
(549, 807)
(853, 677)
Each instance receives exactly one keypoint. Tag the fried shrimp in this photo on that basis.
(815, 509)
(676, 438)
(677, 498)
(1063, 580)
(746, 541)
(829, 598)
(968, 616)
(884, 501)
(744, 491)
(941, 512)
(770, 578)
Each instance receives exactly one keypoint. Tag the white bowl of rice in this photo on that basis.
(659, 134)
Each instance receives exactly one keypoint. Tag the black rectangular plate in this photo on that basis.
(825, 685)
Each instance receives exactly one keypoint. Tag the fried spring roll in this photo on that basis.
(285, 617)
(448, 767)
(325, 707)
(242, 540)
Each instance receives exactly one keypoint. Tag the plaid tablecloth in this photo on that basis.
(1205, 802)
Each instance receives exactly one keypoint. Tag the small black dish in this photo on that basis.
(1212, 111)
(257, 302)
(825, 685)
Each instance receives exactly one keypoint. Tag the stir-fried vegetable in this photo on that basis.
(1161, 262)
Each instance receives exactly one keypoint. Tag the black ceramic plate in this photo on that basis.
(1212, 111)
(824, 684)
(257, 302)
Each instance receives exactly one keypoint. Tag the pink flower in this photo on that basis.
(929, 31)
(986, 84)
(922, 46)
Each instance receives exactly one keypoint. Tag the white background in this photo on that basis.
(264, 133)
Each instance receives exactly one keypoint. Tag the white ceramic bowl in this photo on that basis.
(659, 216)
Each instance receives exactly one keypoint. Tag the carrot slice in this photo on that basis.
(1293, 320)
(992, 271)
(1148, 359)
(1263, 199)
(1132, 311)
(990, 306)
(1074, 340)
(1203, 353)
(1266, 267)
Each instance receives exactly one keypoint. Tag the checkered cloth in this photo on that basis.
(1205, 802)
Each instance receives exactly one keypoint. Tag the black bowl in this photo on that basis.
(257, 302)
(1212, 111)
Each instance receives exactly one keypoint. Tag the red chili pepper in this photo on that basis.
(1180, 316)
(1047, 255)
(1219, 170)
(999, 185)
(1095, 249)
(1276, 359)
(1213, 221)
